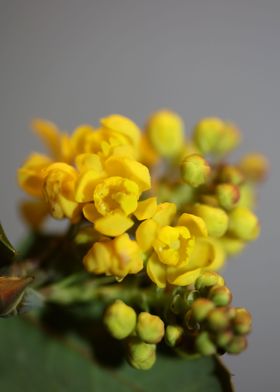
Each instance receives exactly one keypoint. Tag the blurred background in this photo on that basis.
(73, 62)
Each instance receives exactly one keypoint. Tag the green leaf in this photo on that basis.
(7, 251)
(31, 361)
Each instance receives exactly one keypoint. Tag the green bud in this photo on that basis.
(218, 319)
(204, 344)
(227, 195)
(223, 338)
(190, 322)
(231, 174)
(173, 335)
(215, 219)
(220, 295)
(208, 279)
(236, 345)
(195, 170)
(229, 140)
(244, 224)
(207, 133)
(149, 328)
(200, 308)
(140, 355)
(242, 322)
(120, 319)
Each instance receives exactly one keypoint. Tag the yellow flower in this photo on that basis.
(165, 131)
(58, 191)
(156, 217)
(58, 143)
(116, 194)
(118, 257)
(173, 244)
(182, 253)
(117, 125)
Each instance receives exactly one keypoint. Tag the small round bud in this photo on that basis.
(231, 174)
(207, 133)
(200, 308)
(227, 195)
(173, 335)
(254, 167)
(195, 170)
(220, 295)
(208, 279)
(215, 219)
(244, 224)
(120, 319)
(204, 344)
(229, 139)
(218, 319)
(242, 322)
(236, 345)
(223, 338)
(166, 133)
(140, 355)
(149, 328)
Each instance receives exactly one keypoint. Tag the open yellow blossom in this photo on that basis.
(116, 194)
(118, 257)
(58, 191)
(32, 174)
(173, 244)
(156, 217)
(182, 253)
(117, 125)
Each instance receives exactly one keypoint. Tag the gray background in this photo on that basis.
(75, 61)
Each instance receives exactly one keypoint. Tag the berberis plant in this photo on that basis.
(151, 217)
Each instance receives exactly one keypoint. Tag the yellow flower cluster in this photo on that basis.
(184, 220)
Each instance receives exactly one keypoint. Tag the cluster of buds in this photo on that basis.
(197, 320)
(156, 209)
(209, 324)
(141, 333)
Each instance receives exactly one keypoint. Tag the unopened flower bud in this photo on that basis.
(215, 218)
(254, 167)
(236, 345)
(207, 133)
(195, 170)
(223, 338)
(141, 355)
(229, 140)
(244, 224)
(208, 279)
(218, 319)
(120, 319)
(231, 174)
(204, 344)
(166, 133)
(242, 321)
(220, 295)
(200, 308)
(149, 328)
(227, 195)
(173, 335)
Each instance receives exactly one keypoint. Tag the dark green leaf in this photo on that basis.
(32, 361)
